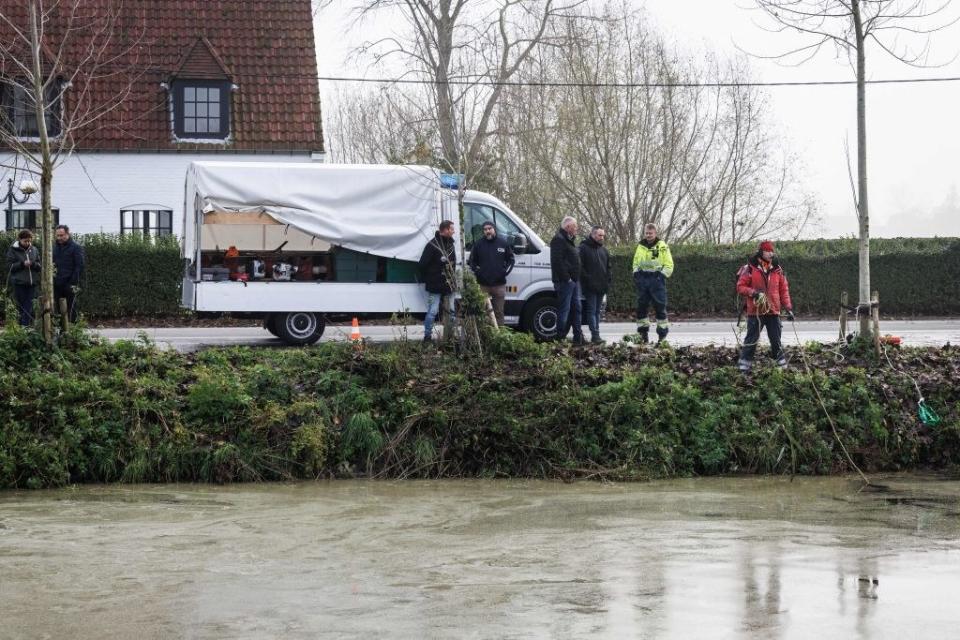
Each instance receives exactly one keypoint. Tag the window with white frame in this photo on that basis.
(153, 222)
(201, 109)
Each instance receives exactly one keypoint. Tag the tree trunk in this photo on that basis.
(46, 180)
(863, 213)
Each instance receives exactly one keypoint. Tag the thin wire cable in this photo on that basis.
(622, 85)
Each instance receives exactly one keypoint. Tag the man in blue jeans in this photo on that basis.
(437, 264)
(565, 272)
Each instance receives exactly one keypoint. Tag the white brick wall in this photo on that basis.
(90, 189)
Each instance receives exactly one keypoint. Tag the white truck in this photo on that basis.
(299, 243)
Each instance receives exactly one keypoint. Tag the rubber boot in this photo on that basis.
(644, 333)
(662, 334)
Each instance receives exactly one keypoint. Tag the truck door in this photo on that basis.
(474, 217)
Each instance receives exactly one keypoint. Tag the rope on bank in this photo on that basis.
(833, 426)
(927, 415)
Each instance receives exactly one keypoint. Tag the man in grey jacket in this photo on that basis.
(23, 273)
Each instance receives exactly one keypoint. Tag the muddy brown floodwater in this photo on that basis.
(703, 558)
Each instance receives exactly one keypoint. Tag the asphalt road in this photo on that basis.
(914, 333)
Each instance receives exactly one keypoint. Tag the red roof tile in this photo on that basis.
(265, 47)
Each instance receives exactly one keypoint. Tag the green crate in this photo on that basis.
(401, 271)
(357, 275)
(353, 266)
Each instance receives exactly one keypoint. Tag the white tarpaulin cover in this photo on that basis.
(385, 210)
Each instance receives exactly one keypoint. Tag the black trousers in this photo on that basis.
(24, 294)
(774, 328)
(63, 290)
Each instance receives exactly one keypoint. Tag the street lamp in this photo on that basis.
(27, 189)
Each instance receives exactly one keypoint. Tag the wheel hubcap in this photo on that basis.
(546, 322)
(301, 325)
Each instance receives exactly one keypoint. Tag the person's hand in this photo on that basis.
(790, 315)
(75, 288)
(26, 263)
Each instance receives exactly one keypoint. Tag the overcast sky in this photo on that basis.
(913, 130)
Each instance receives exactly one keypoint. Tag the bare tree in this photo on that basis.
(466, 51)
(55, 57)
(901, 28)
(601, 127)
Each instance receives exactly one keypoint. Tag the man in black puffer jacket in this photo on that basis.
(565, 271)
(491, 260)
(68, 260)
(437, 272)
(23, 274)
(595, 279)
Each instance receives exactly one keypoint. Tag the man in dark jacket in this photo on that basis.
(491, 260)
(23, 272)
(68, 260)
(437, 272)
(595, 279)
(565, 271)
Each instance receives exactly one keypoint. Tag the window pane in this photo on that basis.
(214, 126)
(202, 109)
(476, 215)
(166, 220)
(213, 109)
(190, 125)
(126, 220)
(201, 94)
(190, 109)
(213, 95)
(505, 226)
(189, 93)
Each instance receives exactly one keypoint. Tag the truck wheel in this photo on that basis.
(299, 327)
(540, 318)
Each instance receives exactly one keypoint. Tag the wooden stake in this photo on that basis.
(64, 316)
(843, 316)
(875, 313)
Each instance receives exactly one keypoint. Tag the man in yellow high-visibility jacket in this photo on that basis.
(652, 265)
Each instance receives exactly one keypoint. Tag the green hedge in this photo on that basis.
(130, 275)
(914, 276)
(127, 275)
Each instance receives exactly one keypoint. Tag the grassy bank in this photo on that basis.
(96, 412)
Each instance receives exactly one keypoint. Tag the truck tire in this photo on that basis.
(540, 318)
(270, 323)
(299, 327)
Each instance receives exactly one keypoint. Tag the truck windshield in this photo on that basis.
(474, 217)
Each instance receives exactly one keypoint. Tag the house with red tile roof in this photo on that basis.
(189, 80)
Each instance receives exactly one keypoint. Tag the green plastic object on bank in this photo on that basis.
(928, 416)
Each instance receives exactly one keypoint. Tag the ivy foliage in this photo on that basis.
(92, 411)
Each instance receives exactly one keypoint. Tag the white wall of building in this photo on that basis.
(90, 189)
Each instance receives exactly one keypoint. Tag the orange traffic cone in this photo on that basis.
(355, 331)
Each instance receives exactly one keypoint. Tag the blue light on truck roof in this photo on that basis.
(451, 180)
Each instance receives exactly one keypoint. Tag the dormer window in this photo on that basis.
(19, 114)
(201, 109)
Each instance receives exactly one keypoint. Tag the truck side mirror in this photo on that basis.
(520, 243)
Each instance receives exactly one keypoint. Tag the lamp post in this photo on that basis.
(27, 189)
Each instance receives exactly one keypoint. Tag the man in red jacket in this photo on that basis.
(764, 286)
